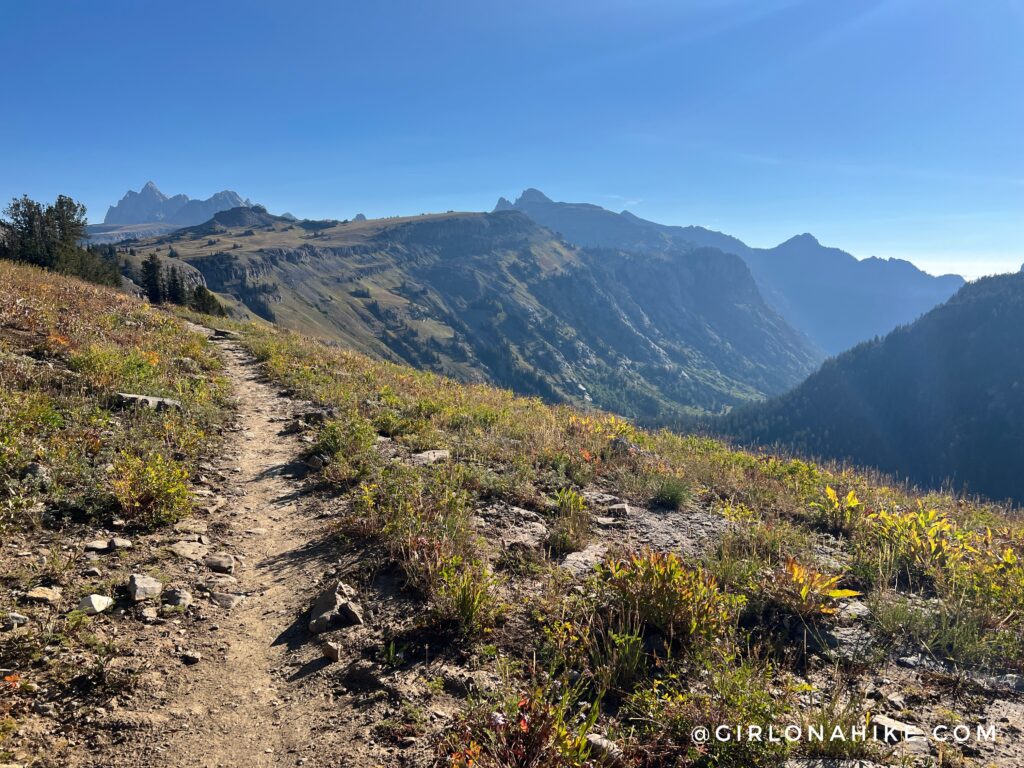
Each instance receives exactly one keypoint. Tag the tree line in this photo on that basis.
(50, 235)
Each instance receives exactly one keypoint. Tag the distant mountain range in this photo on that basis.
(939, 400)
(496, 297)
(149, 212)
(830, 296)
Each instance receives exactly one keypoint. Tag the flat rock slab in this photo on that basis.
(220, 583)
(889, 730)
(225, 599)
(191, 526)
(430, 457)
(190, 550)
(49, 595)
(583, 562)
(689, 532)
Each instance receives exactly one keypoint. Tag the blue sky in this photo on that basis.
(889, 128)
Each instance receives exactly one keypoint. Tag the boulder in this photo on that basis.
(526, 536)
(317, 462)
(225, 599)
(331, 651)
(219, 583)
(336, 607)
(14, 620)
(606, 751)
(40, 474)
(178, 598)
(618, 510)
(141, 587)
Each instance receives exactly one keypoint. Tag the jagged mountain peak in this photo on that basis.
(532, 195)
(149, 206)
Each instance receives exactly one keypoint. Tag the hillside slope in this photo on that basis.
(941, 399)
(319, 558)
(802, 280)
(497, 298)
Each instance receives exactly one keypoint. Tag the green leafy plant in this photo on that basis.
(841, 514)
(150, 491)
(683, 603)
(807, 593)
(535, 729)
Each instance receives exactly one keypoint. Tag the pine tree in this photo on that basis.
(204, 301)
(175, 288)
(152, 279)
(50, 236)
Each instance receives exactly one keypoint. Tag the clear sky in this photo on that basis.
(890, 128)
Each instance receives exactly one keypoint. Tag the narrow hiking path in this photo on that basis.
(240, 703)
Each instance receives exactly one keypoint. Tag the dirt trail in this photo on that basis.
(240, 704)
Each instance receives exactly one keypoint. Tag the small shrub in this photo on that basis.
(150, 491)
(748, 548)
(531, 730)
(572, 523)
(841, 515)
(349, 442)
(733, 691)
(683, 603)
(671, 493)
(465, 595)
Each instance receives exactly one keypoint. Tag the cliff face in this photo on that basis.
(495, 297)
(800, 279)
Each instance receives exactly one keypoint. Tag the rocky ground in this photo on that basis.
(256, 636)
